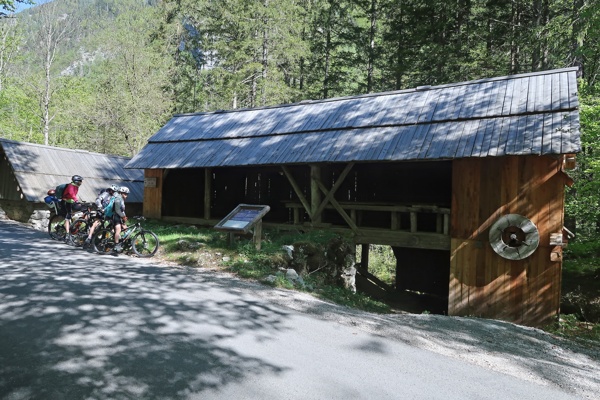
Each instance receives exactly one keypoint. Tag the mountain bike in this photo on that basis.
(142, 242)
(80, 222)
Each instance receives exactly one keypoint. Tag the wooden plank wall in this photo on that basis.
(153, 195)
(481, 282)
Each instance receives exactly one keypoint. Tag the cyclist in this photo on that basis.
(119, 217)
(102, 201)
(69, 198)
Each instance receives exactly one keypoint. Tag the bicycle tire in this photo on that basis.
(104, 241)
(79, 231)
(56, 227)
(145, 243)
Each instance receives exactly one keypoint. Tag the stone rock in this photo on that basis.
(349, 278)
(289, 251)
(292, 276)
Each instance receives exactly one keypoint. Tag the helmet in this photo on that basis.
(51, 192)
(114, 188)
(124, 189)
(76, 178)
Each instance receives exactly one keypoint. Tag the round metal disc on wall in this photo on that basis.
(514, 237)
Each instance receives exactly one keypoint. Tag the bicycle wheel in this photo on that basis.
(103, 241)
(56, 227)
(79, 231)
(145, 244)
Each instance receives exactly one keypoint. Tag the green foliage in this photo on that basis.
(582, 250)
(570, 326)
(580, 303)
(9, 6)
(382, 263)
(18, 120)
(582, 206)
(128, 65)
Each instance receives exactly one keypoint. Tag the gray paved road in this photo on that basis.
(74, 325)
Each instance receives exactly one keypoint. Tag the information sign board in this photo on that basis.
(242, 218)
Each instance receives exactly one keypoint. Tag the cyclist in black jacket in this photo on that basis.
(101, 202)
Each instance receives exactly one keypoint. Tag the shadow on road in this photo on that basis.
(78, 325)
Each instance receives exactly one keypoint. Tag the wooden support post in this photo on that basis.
(231, 241)
(207, 192)
(438, 223)
(257, 234)
(297, 189)
(315, 193)
(446, 224)
(413, 221)
(395, 221)
(339, 209)
(364, 256)
(329, 195)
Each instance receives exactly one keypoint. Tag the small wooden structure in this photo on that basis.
(426, 171)
(28, 171)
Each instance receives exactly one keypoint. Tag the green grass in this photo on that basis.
(190, 245)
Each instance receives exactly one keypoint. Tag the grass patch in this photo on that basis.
(199, 246)
(570, 326)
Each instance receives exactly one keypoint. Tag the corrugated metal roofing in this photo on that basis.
(527, 114)
(38, 168)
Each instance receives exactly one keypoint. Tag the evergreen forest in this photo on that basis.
(104, 75)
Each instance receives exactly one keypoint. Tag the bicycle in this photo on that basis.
(142, 242)
(79, 225)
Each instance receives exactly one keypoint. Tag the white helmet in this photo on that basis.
(124, 189)
(114, 188)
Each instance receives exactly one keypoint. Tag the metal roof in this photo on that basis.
(527, 114)
(38, 168)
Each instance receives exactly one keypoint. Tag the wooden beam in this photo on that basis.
(315, 194)
(207, 191)
(364, 255)
(336, 186)
(339, 208)
(361, 270)
(297, 189)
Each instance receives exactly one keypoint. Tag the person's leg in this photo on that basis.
(117, 233)
(118, 227)
(68, 216)
(88, 240)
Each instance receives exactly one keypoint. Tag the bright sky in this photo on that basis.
(21, 7)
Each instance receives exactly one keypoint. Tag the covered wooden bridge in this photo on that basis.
(428, 171)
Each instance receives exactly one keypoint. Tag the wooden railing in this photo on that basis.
(355, 209)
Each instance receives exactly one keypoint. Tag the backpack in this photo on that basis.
(60, 189)
(109, 210)
(102, 200)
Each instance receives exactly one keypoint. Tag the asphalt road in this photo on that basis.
(75, 325)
